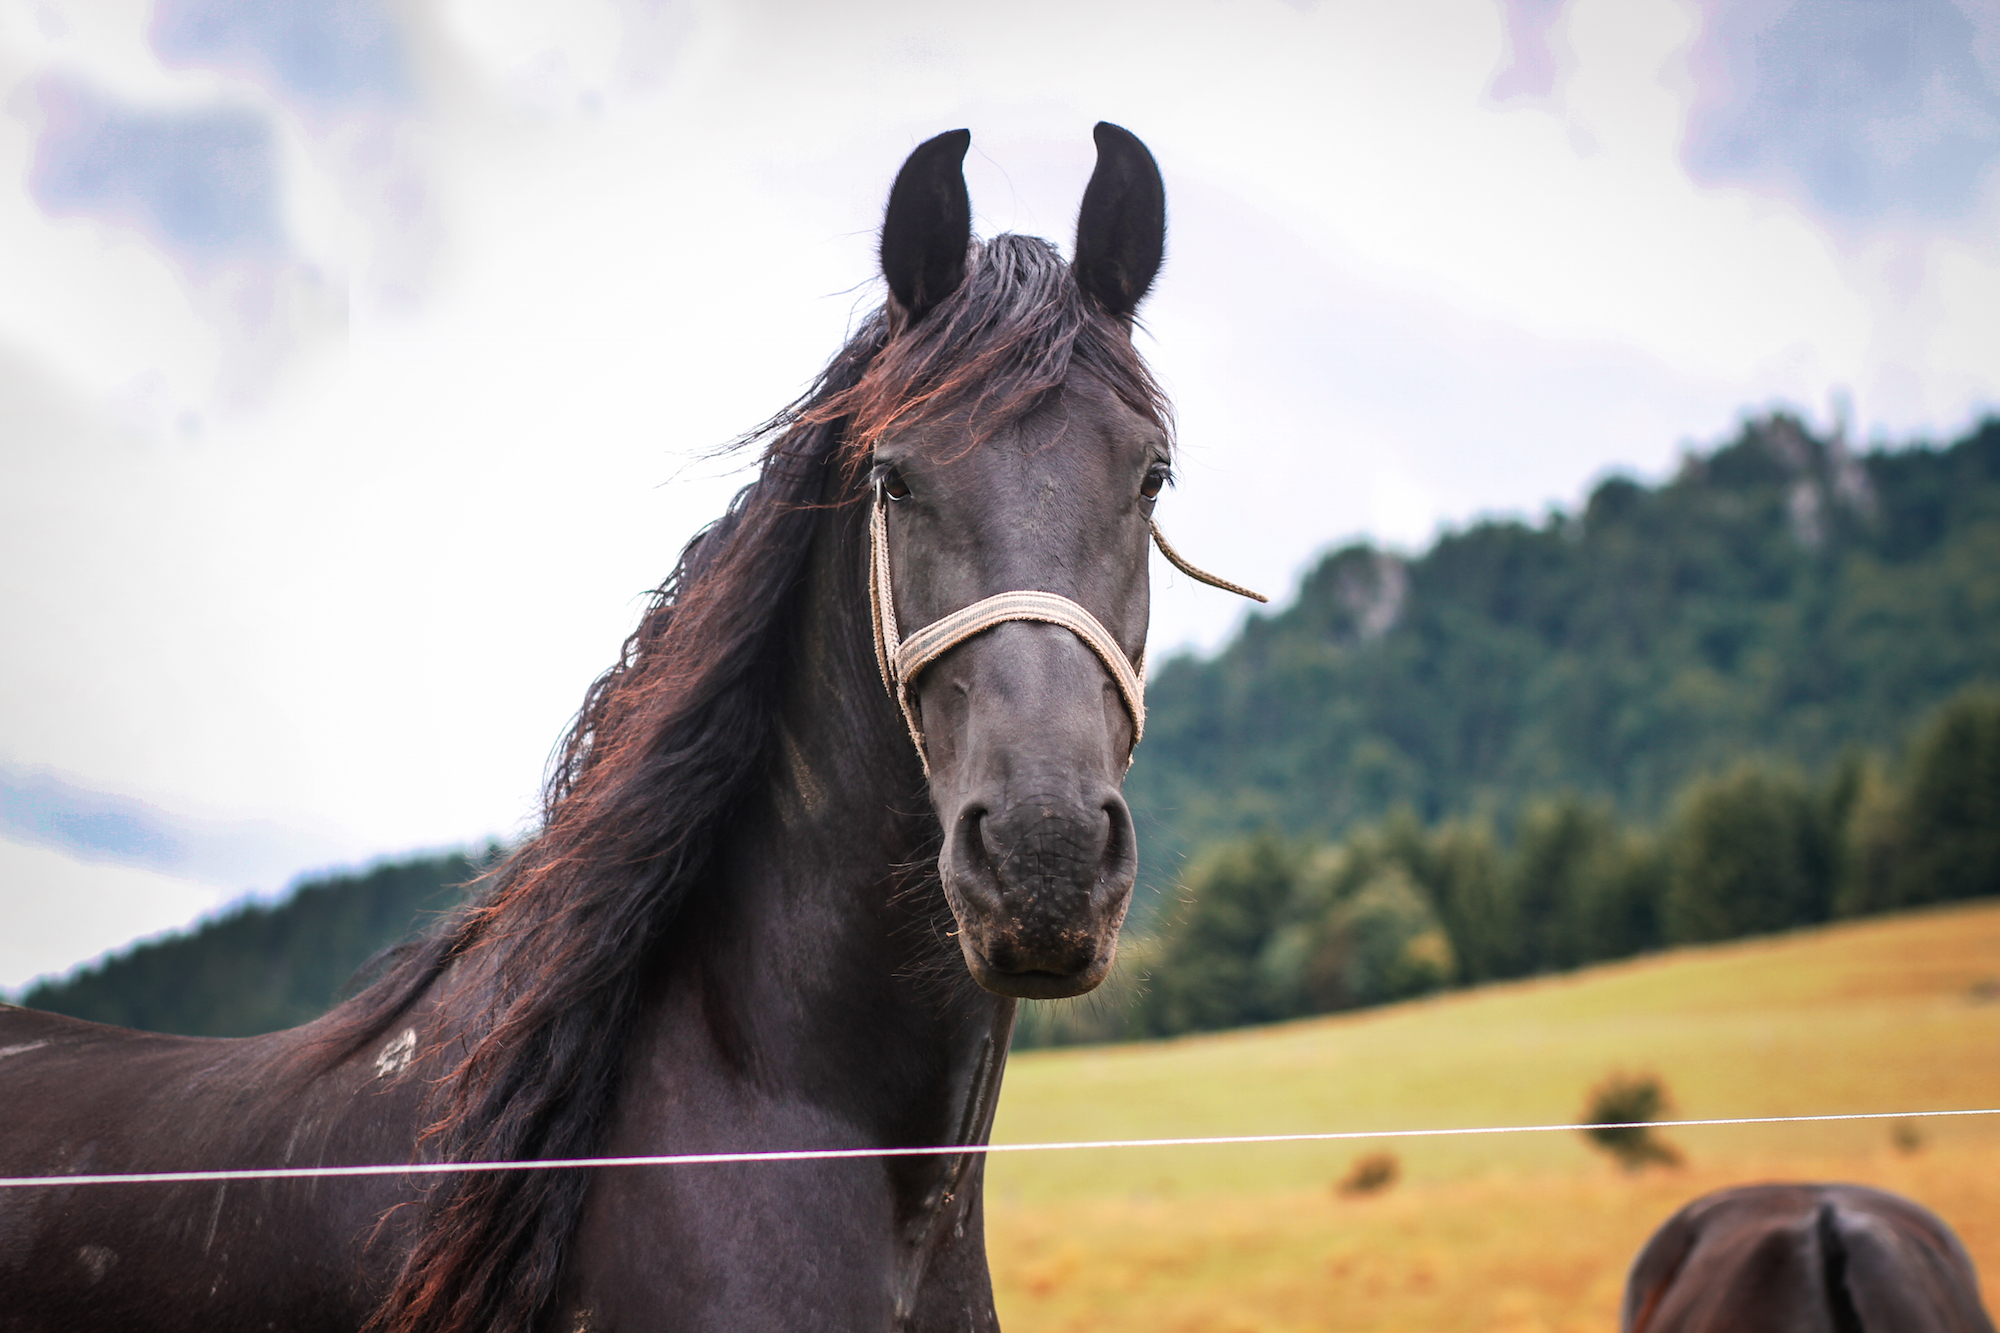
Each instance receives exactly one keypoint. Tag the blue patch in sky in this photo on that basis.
(43, 809)
(202, 181)
(1870, 109)
(1529, 70)
(325, 52)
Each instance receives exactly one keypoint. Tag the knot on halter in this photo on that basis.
(902, 660)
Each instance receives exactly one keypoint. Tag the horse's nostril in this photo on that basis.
(975, 851)
(1119, 863)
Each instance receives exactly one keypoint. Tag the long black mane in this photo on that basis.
(666, 748)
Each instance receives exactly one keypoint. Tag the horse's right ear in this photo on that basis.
(929, 224)
(1121, 230)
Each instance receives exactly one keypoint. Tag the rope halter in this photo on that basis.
(901, 660)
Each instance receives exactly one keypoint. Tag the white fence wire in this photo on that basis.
(948, 1150)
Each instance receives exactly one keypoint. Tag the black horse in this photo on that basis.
(1803, 1259)
(759, 901)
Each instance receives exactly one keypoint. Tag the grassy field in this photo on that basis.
(1516, 1233)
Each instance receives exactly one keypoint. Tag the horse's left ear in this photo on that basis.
(929, 224)
(1121, 231)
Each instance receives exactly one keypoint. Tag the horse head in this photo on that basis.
(1013, 484)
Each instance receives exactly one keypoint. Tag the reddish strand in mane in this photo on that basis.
(666, 747)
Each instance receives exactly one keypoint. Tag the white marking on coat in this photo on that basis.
(214, 1218)
(96, 1261)
(396, 1056)
(21, 1049)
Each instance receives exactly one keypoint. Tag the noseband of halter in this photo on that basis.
(901, 660)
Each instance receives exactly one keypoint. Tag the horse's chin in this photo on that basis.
(1036, 983)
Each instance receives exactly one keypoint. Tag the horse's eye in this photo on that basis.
(1157, 476)
(894, 486)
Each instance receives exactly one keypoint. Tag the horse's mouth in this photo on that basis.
(1036, 983)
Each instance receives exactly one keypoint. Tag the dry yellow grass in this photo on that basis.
(1492, 1234)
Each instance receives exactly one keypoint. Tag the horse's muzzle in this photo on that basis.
(1040, 888)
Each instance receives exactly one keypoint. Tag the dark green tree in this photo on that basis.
(1951, 833)
(1748, 856)
(1622, 898)
(1479, 915)
(1566, 851)
(1874, 841)
(1382, 942)
(1238, 897)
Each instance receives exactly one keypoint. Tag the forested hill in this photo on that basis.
(1780, 596)
(263, 967)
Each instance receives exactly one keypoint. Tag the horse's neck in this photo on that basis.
(827, 942)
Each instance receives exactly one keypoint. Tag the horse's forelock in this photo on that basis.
(992, 351)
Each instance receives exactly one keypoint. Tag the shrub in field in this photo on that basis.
(1371, 1174)
(1617, 1116)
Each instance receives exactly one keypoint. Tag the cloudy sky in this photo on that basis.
(357, 357)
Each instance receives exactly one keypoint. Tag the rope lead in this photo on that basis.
(1178, 561)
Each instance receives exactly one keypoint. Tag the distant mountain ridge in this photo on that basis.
(1781, 595)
